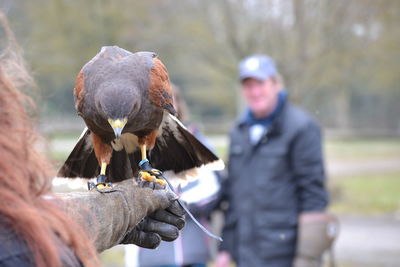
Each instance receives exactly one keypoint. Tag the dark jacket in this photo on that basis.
(14, 251)
(269, 183)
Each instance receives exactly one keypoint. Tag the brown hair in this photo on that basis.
(24, 174)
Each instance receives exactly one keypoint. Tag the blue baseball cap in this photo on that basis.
(260, 67)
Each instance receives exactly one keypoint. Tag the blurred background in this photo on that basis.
(340, 60)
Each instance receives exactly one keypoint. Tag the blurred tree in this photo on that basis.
(337, 57)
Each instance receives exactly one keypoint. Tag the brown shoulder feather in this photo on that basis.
(79, 91)
(160, 89)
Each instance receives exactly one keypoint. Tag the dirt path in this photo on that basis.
(368, 241)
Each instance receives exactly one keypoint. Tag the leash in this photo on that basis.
(145, 166)
(191, 215)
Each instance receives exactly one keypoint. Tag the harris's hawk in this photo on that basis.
(126, 102)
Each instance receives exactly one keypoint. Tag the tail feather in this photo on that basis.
(82, 162)
(121, 167)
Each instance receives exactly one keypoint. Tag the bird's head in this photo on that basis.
(117, 107)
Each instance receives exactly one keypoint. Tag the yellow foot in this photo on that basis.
(150, 177)
(160, 182)
(100, 185)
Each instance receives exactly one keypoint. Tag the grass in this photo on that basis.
(362, 149)
(113, 257)
(222, 152)
(366, 194)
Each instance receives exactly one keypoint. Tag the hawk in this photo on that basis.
(126, 102)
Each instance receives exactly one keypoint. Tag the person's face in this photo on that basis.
(260, 96)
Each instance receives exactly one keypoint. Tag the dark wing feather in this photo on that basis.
(82, 162)
(177, 149)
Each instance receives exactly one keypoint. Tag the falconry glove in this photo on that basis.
(160, 225)
(125, 214)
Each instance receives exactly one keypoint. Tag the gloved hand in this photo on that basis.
(127, 213)
(160, 225)
(316, 232)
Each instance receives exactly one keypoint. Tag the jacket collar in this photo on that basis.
(276, 124)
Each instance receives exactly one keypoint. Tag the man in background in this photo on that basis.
(275, 174)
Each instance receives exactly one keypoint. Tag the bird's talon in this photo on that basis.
(145, 175)
(91, 186)
(99, 186)
(150, 177)
(146, 167)
(160, 182)
(156, 172)
(152, 185)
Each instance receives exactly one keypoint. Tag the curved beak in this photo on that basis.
(117, 126)
(117, 132)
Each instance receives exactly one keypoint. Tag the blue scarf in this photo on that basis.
(251, 120)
